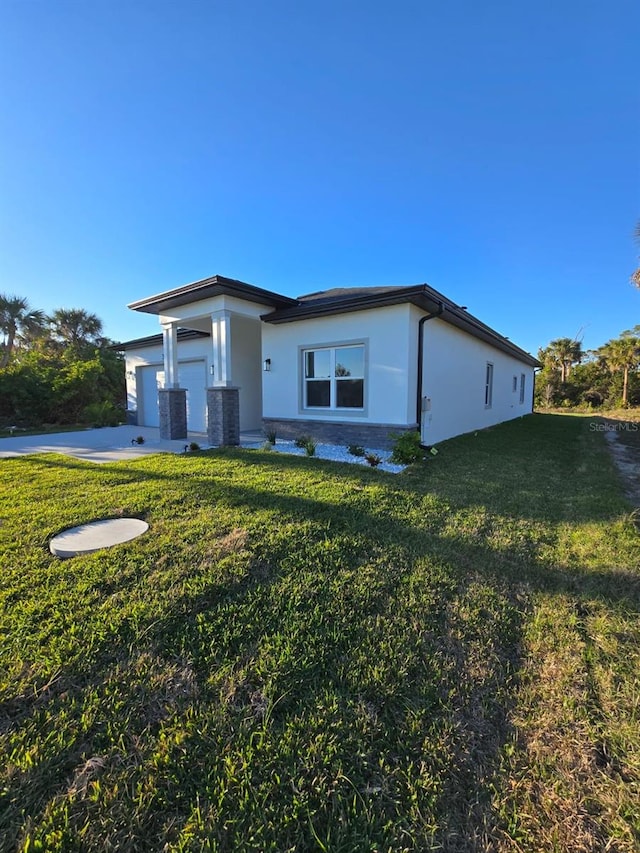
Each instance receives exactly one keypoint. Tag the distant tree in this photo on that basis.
(622, 355)
(75, 327)
(561, 355)
(17, 318)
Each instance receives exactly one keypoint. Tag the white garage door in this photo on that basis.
(151, 378)
(192, 375)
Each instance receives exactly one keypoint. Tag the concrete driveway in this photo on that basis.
(107, 444)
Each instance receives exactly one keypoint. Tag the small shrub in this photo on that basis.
(302, 441)
(406, 448)
(268, 445)
(102, 414)
(194, 446)
(271, 436)
(310, 447)
(138, 440)
(355, 450)
(373, 459)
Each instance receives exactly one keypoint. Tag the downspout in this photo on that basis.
(421, 323)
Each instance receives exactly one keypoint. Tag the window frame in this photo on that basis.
(488, 385)
(333, 410)
(523, 377)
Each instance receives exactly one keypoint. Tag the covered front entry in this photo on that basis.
(228, 312)
(223, 391)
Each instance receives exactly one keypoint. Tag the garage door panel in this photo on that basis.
(192, 375)
(151, 380)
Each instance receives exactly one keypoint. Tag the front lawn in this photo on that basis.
(302, 655)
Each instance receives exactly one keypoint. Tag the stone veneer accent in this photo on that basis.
(173, 412)
(372, 436)
(223, 416)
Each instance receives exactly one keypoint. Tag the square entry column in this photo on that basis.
(173, 412)
(223, 411)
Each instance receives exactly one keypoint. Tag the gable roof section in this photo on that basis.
(206, 288)
(156, 340)
(324, 303)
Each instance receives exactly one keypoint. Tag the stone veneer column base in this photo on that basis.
(223, 416)
(173, 412)
(371, 436)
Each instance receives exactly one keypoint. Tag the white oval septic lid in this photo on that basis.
(98, 534)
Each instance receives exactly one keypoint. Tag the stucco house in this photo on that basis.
(347, 365)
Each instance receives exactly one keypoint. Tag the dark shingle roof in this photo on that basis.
(342, 300)
(337, 300)
(216, 285)
(156, 340)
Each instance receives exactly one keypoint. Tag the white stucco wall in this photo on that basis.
(454, 374)
(204, 308)
(389, 399)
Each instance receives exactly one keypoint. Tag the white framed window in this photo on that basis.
(488, 386)
(333, 377)
(522, 384)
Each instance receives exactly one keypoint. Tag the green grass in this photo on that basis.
(302, 655)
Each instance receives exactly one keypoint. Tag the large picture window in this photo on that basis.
(334, 377)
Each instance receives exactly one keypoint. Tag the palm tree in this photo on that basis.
(17, 318)
(75, 326)
(561, 355)
(622, 354)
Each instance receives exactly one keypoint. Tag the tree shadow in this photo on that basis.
(472, 701)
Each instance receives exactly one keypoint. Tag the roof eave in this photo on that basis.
(423, 297)
(156, 340)
(206, 289)
(306, 310)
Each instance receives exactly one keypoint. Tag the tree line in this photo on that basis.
(605, 377)
(57, 368)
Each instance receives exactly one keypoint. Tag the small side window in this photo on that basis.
(488, 386)
(515, 384)
(522, 384)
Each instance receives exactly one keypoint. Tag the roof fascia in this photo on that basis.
(197, 291)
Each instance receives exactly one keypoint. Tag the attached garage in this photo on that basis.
(192, 375)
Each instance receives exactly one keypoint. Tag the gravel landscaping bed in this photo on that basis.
(332, 452)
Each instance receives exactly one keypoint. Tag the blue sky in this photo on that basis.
(490, 149)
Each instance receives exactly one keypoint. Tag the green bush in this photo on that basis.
(406, 448)
(310, 447)
(355, 450)
(373, 459)
(302, 440)
(102, 414)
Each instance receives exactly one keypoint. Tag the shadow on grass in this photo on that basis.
(453, 686)
(463, 700)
